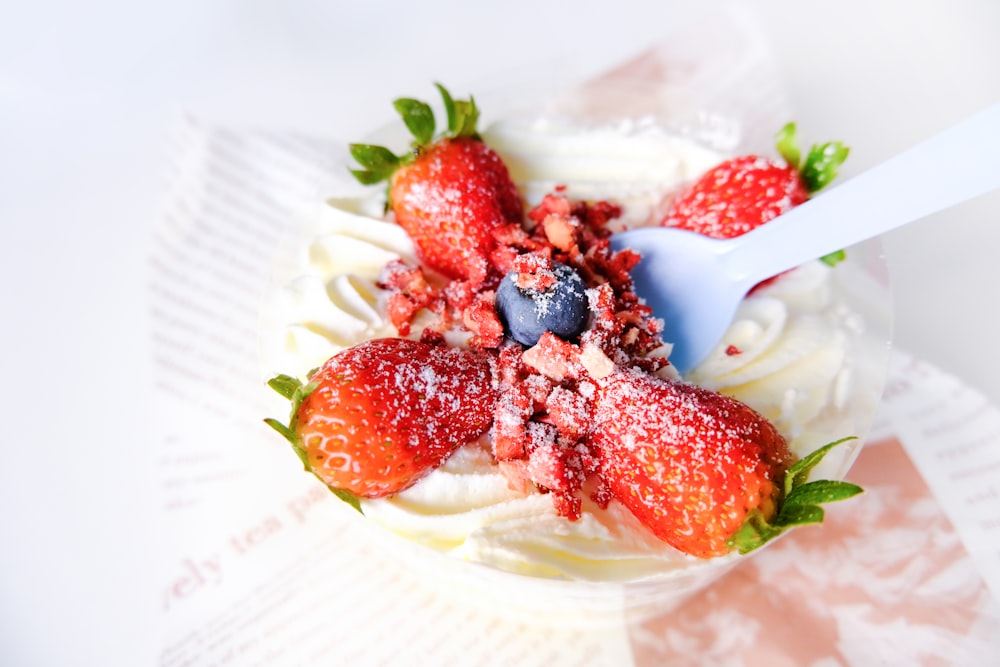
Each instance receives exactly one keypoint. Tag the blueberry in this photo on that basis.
(528, 313)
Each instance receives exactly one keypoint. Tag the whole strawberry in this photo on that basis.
(704, 472)
(745, 192)
(377, 417)
(450, 192)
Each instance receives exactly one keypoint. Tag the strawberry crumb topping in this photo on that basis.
(410, 292)
(546, 391)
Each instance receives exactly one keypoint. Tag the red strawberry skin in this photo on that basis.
(687, 462)
(450, 200)
(737, 196)
(388, 411)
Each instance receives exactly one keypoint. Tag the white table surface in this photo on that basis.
(89, 90)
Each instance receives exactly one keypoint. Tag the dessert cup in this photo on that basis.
(710, 97)
(636, 587)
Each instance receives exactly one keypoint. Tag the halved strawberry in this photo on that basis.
(377, 417)
(742, 193)
(450, 193)
(704, 472)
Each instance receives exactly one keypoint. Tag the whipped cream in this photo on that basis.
(795, 353)
(634, 163)
(332, 301)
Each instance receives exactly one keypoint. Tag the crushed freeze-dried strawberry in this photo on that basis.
(602, 494)
(560, 468)
(459, 295)
(596, 215)
(561, 231)
(432, 337)
(554, 358)
(568, 505)
(534, 271)
(547, 468)
(509, 431)
(543, 415)
(551, 204)
(569, 411)
(409, 293)
(480, 317)
(537, 387)
(516, 473)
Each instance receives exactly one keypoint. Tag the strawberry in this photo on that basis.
(745, 192)
(704, 472)
(377, 417)
(450, 193)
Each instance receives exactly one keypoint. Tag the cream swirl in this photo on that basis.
(333, 301)
(468, 509)
(634, 163)
(783, 352)
(799, 353)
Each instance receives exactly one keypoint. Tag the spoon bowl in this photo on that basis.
(695, 283)
(680, 270)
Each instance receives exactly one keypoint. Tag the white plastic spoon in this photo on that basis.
(695, 283)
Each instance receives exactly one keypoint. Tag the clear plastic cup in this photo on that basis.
(859, 299)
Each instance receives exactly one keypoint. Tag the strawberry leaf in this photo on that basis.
(378, 162)
(449, 107)
(296, 392)
(822, 165)
(821, 491)
(366, 177)
(799, 506)
(374, 158)
(462, 114)
(754, 532)
(290, 435)
(300, 395)
(285, 385)
(347, 497)
(834, 258)
(419, 120)
(466, 117)
(286, 432)
(798, 515)
(788, 145)
(798, 474)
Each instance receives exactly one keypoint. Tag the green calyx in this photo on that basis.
(822, 162)
(821, 166)
(834, 258)
(296, 392)
(378, 163)
(800, 504)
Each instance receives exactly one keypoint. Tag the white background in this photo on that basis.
(88, 92)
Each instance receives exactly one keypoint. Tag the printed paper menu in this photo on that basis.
(262, 566)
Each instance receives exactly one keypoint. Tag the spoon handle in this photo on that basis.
(958, 164)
